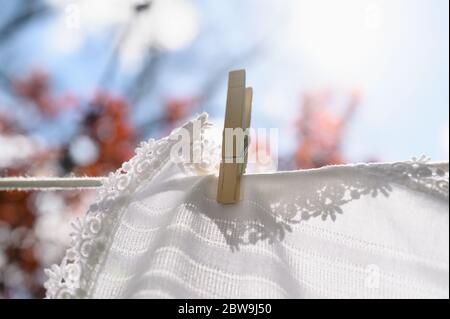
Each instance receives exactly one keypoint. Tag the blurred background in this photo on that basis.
(83, 82)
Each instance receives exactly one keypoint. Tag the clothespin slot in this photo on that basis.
(235, 146)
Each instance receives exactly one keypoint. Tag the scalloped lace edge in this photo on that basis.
(93, 234)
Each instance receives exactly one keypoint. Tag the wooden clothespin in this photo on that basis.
(234, 158)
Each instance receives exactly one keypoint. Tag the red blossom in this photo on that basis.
(321, 131)
(36, 87)
(178, 108)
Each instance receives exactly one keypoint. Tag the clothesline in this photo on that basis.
(22, 183)
(49, 183)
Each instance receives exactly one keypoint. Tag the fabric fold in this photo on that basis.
(352, 231)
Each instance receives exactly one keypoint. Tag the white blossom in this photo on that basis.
(164, 25)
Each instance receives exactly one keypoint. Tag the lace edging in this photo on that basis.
(419, 174)
(91, 235)
(327, 201)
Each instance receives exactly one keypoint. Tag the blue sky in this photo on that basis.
(396, 52)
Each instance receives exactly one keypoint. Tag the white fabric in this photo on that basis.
(356, 231)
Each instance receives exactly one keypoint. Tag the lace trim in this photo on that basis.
(92, 234)
(421, 175)
(326, 202)
(322, 200)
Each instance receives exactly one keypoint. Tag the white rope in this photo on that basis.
(64, 183)
(49, 183)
